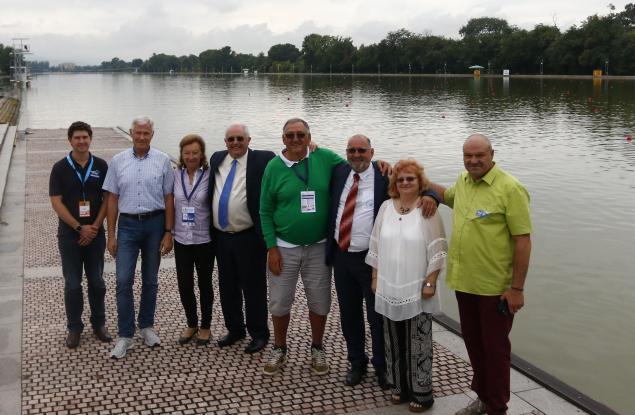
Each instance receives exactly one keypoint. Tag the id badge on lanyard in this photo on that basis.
(188, 215)
(84, 205)
(307, 201)
(307, 197)
(84, 209)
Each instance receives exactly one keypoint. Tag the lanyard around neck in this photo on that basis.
(305, 178)
(83, 180)
(198, 181)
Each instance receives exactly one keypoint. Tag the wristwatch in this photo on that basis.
(429, 284)
(78, 228)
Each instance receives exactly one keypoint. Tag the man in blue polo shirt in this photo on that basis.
(76, 196)
(140, 182)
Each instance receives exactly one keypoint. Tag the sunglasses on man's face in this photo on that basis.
(353, 150)
(233, 138)
(291, 135)
(406, 179)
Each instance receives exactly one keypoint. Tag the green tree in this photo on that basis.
(482, 39)
(5, 59)
(284, 52)
(219, 60)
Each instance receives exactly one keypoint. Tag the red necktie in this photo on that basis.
(346, 223)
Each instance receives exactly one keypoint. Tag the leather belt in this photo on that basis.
(143, 216)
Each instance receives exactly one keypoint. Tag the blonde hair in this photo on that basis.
(411, 166)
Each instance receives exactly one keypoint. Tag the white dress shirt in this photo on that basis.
(364, 209)
(238, 214)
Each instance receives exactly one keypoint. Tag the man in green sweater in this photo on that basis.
(294, 205)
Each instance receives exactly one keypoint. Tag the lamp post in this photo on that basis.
(379, 69)
(606, 67)
(445, 68)
(409, 69)
(541, 66)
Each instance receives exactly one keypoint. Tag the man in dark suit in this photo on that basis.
(358, 189)
(346, 248)
(234, 191)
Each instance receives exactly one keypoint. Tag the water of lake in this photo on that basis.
(566, 140)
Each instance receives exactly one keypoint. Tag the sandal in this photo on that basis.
(203, 337)
(395, 398)
(420, 407)
(187, 335)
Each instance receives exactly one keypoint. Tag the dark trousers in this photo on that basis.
(486, 336)
(201, 256)
(76, 260)
(242, 261)
(353, 286)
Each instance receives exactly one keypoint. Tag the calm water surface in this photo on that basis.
(565, 140)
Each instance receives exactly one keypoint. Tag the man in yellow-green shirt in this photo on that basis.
(487, 266)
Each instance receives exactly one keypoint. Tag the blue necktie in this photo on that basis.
(223, 202)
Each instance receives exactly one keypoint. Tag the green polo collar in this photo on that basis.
(488, 178)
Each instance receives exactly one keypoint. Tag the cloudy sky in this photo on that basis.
(90, 31)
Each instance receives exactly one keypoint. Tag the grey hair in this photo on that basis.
(243, 126)
(295, 120)
(361, 136)
(142, 120)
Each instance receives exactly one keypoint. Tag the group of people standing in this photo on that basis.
(269, 219)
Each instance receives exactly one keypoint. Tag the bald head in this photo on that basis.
(478, 155)
(478, 140)
(359, 153)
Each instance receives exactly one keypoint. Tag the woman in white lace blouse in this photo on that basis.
(407, 253)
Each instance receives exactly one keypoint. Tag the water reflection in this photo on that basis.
(564, 139)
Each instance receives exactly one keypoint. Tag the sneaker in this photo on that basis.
(121, 347)
(150, 337)
(277, 359)
(319, 364)
(476, 407)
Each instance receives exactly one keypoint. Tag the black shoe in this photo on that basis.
(102, 334)
(354, 376)
(229, 339)
(72, 339)
(256, 345)
(382, 381)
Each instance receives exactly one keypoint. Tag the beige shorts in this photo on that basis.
(309, 262)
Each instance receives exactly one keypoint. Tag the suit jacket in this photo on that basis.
(256, 162)
(338, 180)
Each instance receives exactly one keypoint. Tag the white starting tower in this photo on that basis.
(20, 72)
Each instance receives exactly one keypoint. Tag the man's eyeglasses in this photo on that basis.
(406, 179)
(291, 135)
(352, 150)
(233, 138)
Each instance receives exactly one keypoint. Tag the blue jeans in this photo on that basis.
(75, 260)
(134, 236)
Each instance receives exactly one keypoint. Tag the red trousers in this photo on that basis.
(486, 335)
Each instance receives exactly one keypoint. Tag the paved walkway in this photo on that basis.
(172, 379)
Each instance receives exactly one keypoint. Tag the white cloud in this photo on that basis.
(91, 31)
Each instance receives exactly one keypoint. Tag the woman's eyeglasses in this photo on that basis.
(406, 179)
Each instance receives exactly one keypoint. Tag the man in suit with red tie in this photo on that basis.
(234, 191)
(358, 189)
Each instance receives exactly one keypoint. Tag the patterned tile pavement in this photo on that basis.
(189, 379)
(171, 379)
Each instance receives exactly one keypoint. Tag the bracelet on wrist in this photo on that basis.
(517, 289)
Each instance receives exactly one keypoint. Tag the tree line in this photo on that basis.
(604, 42)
